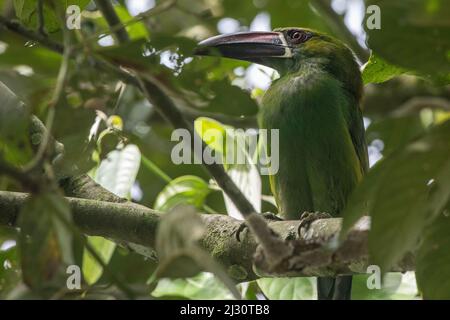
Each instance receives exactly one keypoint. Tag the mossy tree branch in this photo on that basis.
(135, 226)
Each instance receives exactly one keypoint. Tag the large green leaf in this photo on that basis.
(433, 260)
(212, 132)
(41, 60)
(377, 70)
(413, 34)
(288, 288)
(182, 190)
(403, 194)
(27, 12)
(178, 250)
(45, 243)
(117, 174)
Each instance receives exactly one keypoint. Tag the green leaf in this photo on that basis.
(182, 190)
(179, 254)
(176, 244)
(135, 30)
(240, 105)
(288, 288)
(433, 260)
(403, 193)
(118, 171)
(92, 270)
(395, 132)
(77, 149)
(45, 243)
(40, 59)
(27, 12)
(235, 144)
(413, 34)
(117, 174)
(212, 132)
(245, 175)
(203, 286)
(14, 121)
(376, 70)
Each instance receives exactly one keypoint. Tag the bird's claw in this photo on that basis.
(309, 217)
(266, 215)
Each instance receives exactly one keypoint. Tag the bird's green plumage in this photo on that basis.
(315, 105)
(323, 155)
(322, 150)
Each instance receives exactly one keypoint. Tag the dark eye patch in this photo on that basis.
(298, 36)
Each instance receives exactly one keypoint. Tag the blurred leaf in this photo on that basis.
(212, 133)
(27, 12)
(433, 260)
(395, 286)
(283, 13)
(203, 286)
(395, 132)
(178, 250)
(135, 30)
(377, 70)
(245, 173)
(403, 193)
(77, 149)
(45, 243)
(240, 105)
(288, 288)
(14, 121)
(176, 239)
(117, 174)
(92, 270)
(233, 146)
(413, 34)
(247, 179)
(42, 60)
(182, 190)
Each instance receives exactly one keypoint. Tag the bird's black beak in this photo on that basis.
(249, 46)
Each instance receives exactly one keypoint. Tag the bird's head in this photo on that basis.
(287, 50)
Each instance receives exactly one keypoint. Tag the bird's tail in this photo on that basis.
(339, 288)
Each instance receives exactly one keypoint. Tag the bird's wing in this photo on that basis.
(357, 134)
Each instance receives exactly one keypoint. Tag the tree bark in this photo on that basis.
(135, 226)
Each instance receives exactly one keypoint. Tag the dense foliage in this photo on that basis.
(108, 129)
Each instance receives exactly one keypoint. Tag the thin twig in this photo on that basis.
(56, 98)
(41, 22)
(166, 5)
(107, 9)
(18, 28)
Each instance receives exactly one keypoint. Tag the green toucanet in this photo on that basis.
(315, 104)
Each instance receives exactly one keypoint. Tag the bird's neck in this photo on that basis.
(346, 71)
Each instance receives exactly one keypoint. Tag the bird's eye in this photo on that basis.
(298, 36)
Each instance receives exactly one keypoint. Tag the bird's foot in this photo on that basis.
(266, 215)
(307, 218)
